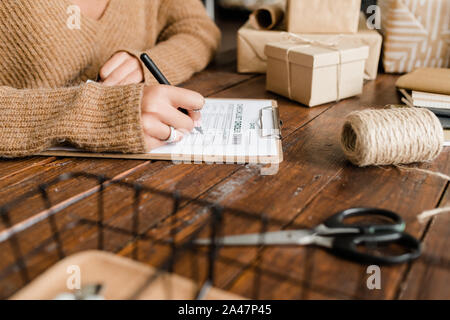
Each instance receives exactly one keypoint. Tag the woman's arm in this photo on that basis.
(188, 41)
(91, 116)
(185, 45)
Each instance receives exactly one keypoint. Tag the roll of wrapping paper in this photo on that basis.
(268, 17)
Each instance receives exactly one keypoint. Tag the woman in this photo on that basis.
(46, 59)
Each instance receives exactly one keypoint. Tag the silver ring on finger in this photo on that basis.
(173, 135)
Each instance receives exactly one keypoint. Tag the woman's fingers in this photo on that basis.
(190, 100)
(122, 69)
(134, 77)
(153, 143)
(155, 128)
(157, 133)
(121, 73)
(112, 64)
(175, 118)
(184, 98)
(196, 117)
(157, 101)
(163, 102)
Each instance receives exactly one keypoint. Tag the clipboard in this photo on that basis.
(274, 132)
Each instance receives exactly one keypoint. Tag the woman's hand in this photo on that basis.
(160, 110)
(121, 69)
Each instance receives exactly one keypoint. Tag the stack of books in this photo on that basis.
(429, 88)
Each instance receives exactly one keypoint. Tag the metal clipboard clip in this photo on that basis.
(269, 123)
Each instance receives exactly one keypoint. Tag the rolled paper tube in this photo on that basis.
(391, 136)
(267, 17)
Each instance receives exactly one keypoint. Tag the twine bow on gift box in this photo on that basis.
(302, 42)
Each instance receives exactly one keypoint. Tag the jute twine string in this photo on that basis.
(394, 136)
(433, 212)
(430, 213)
(391, 136)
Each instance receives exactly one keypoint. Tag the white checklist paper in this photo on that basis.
(234, 130)
(231, 128)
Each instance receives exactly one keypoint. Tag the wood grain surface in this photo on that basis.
(314, 181)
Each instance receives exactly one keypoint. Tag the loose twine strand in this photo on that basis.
(394, 136)
(423, 217)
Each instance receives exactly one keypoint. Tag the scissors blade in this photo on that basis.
(290, 237)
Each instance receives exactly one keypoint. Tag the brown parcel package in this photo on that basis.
(120, 277)
(251, 43)
(323, 16)
(316, 74)
(431, 80)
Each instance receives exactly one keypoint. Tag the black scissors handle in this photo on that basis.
(396, 223)
(346, 246)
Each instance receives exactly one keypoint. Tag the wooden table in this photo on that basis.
(313, 182)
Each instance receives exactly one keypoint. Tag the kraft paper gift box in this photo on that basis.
(416, 34)
(323, 16)
(121, 279)
(315, 73)
(251, 43)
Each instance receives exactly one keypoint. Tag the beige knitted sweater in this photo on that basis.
(44, 65)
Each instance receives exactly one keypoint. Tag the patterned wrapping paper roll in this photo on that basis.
(417, 34)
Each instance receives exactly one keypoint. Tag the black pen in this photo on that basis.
(159, 76)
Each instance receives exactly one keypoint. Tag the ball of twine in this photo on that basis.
(391, 136)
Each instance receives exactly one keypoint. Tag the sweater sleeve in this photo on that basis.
(92, 117)
(187, 42)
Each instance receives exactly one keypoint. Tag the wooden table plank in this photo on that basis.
(220, 75)
(193, 180)
(19, 176)
(189, 180)
(244, 186)
(398, 191)
(429, 277)
(340, 279)
(313, 178)
(10, 167)
(33, 176)
(308, 153)
(198, 178)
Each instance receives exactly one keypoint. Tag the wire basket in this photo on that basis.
(32, 243)
(42, 226)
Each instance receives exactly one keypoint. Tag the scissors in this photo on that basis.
(341, 238)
